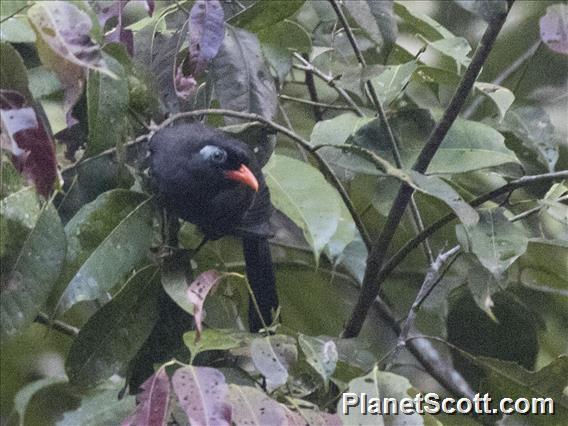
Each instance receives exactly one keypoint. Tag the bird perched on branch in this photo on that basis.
(214, 181)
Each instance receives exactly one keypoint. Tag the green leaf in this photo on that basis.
(544, 266)
(422, 23)
(501, 97)
(470, 145)
(508, 379)
(216, 340)
(532, 125)
(456, 48)
(278, 43)
(115, 333)
(321, 354)
(43, 82)
(241, 80)
(100, 407)
(32, 253)
(376, 19)
(494, 240)
(13, 73)
(107, 108)
(263, 15)
(107, 239)
(486, 9)
(27, 392)
(483, 285)
(437, 75)
(392, 81)
(17, 30)
(10, 180)
(251, 406)
(301, 192)
(345, 233)
(377, 384)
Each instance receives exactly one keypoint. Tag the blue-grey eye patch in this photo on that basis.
(214, 154)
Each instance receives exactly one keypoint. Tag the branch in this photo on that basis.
(58, 325)
(308, 67)
(311, 85)
(322, 164)
(370, 286)
(511, 69)
(401, 254)
(312, 103)
(391, 140)
(433, 277)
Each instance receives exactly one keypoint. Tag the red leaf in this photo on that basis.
(206, 33)
(196, 294)
(202, 393)
(153, 401)
(25, 137)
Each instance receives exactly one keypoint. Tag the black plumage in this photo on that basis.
(213, 181)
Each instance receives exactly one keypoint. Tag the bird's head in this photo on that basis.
(204, 176)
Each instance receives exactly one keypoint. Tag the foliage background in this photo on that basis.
(525, 323)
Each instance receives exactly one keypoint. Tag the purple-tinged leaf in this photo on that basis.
(106, 9)
(206, 33)
(309, 414)
(253, 407)
(184, 86)
(65, 29)
(273, 356)
(120, 34)
(202, 393)
(65, 46)
(554, 28)
(196, 294)
(153, 401)
(25, 137)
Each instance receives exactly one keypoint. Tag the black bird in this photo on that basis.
(214, 181)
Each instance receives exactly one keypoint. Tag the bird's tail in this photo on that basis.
(260, 274)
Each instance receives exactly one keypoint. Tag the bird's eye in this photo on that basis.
(214, 154)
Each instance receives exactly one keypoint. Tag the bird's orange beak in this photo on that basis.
(243, 175)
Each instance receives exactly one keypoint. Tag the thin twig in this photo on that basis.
(432, 278)
(507, 72)
(308, 67)
(401, 254)
(320, 104)
(58, 325)
(312, 91)
(391, 140)
(435, 364)
(370, 287)
(21, 9)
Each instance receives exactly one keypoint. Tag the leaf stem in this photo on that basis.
(57, 325)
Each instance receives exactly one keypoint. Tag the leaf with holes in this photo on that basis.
(273, 356)
(202, 393)
(255, 408)
(196, 294)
